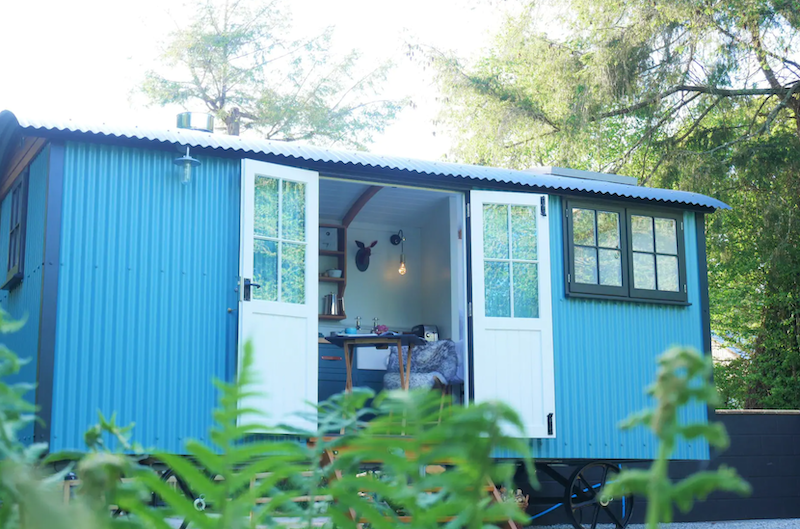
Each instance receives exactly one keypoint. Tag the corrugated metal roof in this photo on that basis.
(338, 160)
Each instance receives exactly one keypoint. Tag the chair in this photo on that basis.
(434, 364)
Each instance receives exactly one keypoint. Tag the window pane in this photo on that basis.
(666, 236)
(667, 273)
(12, 249)
(293, 211)
(644, 272)
(526, 290)
(265, 270)
(610, 268)
(607, 229)
(497, 289)
(642, 228)
(266, 206)
(14, 205)
(495, 231)
(293, 273)
(523, 232)
(585, 265)
(583, 226)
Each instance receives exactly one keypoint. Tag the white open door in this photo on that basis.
(278, 286)
(512, 309)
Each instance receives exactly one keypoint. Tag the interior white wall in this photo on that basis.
(381, 291)
(437, 270)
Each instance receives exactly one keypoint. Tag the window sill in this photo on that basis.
(626, 299)
(12, 281)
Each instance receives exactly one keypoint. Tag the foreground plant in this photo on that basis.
(683, 375)
(375, 472)
(30, 496)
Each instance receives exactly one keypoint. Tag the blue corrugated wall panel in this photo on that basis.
(149, 269)
(605, 358)
(24, 301)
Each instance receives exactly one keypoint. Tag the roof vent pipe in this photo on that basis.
(196, 121)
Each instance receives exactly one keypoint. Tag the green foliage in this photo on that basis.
(29, 498)
(683, 376)
(701, 97)
(376, 475)
(236, 59)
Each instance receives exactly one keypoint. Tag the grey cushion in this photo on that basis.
(429, 362)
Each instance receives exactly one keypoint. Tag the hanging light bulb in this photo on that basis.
(399, 238)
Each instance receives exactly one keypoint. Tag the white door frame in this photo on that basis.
(522, 373)
(284, 335)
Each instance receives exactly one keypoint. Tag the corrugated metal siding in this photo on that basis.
(25, 300)
(149, 269)
(293, 153)
(605, 358)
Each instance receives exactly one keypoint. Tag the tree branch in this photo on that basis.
(721, 92)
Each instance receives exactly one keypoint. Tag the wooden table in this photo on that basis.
(350, 342)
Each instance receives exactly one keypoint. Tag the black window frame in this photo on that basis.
(17, 225)
(627, 292)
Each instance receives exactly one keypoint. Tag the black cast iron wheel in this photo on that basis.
(582, 498)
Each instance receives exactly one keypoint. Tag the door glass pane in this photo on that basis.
(610, 268)
(265, 270)
(293, 211)
(607, 229)
(497, 288)
(293, 266)
(644, 271)
(526, 290)
(585, 265)
(583, 226)
(666, 236)
(667, 273)
(523, 233)
(495, 231)
(266, 206)
(642, 228)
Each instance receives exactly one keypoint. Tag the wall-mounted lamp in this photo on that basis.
(187, 162)
(399, 238)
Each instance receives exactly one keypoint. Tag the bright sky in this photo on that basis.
(81, 59)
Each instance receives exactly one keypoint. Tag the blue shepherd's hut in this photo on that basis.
(143, 259)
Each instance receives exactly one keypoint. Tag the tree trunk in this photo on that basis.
(232, 122)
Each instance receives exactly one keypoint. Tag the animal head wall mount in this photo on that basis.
(362, 256)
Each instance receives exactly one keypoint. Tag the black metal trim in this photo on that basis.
(470, 320)
(646, 301)
(702, 269)
(45, 365)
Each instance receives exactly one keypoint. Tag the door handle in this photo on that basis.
(247, 285)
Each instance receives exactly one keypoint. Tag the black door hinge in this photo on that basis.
(544, 208)
(549, 424)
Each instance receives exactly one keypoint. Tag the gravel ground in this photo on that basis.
(733, 524)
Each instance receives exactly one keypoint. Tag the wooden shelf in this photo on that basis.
(339, 257)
